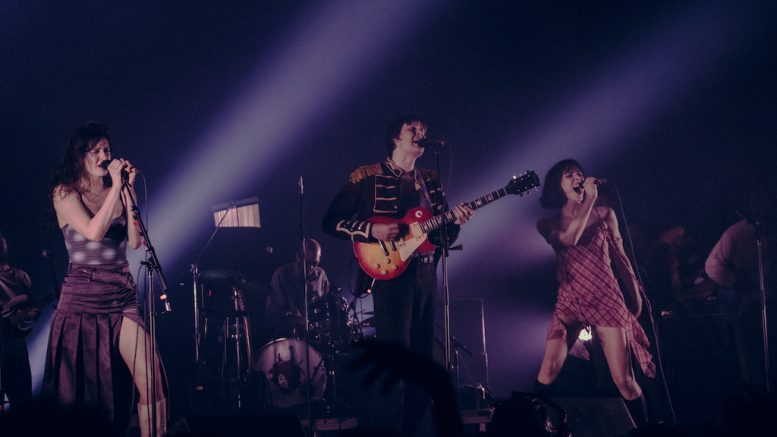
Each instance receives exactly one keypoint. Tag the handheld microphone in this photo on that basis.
(124, 173)
(596, 182)
(429, 142)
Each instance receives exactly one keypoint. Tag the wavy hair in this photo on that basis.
(70, 170)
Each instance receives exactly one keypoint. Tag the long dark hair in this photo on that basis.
(552, 195)
(69, 172)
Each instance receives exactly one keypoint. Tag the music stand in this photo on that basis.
(242, 213)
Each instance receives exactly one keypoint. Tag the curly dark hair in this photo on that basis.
(69, 172)
(552, 196)
(395, 127)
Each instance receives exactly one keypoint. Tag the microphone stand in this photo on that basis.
(152, 265)
(445, 244)
(305, 292)
(760, 237)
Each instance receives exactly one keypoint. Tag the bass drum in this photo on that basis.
(285, 367)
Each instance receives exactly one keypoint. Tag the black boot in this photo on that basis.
(544, 391)
(638, 411)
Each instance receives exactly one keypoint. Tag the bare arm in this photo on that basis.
(134, 238)
(569, 234)
(71, 212)
(621, 262)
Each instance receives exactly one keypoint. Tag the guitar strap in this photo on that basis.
(426, 200)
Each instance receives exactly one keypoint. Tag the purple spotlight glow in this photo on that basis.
(325, 58)
(627, 92)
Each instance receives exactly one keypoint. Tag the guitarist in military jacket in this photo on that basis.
(404, 306)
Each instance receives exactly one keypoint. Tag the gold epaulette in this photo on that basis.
(364, 171)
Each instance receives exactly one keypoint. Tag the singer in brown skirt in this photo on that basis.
(97, 345)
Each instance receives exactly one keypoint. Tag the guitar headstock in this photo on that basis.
(523, 183)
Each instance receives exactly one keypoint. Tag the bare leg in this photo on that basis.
(556, 351)
(132, 347)
(618, 353)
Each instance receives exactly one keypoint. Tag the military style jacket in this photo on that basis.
(376, 190)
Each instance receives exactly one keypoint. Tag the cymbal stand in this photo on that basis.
(199, 384)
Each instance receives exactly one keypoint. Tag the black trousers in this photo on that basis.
(404, 313)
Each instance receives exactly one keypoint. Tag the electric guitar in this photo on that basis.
(386, 260)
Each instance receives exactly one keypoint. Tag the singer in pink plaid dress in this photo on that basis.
(590, 254)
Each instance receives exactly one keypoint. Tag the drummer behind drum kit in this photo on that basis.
(276, 377)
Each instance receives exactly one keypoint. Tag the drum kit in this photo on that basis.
(287, 368)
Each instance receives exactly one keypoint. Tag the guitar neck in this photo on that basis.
(447, 217)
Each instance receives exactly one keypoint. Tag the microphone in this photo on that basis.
(428, 142)
(596, 182)
(124, 173)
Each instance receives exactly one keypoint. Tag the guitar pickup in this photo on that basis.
(383, 248)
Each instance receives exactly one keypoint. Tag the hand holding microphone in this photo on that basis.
(595, 181)
(120, 170)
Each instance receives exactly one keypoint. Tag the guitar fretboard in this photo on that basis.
(447, 217)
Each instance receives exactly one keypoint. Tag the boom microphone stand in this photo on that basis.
(760, 238)
(152, 265)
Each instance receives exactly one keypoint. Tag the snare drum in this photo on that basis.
(284, 364)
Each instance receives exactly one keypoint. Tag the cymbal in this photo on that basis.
(227, 278)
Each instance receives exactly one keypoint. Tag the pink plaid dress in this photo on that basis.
(589, 293)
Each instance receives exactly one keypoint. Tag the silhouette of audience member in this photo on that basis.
(385, 364)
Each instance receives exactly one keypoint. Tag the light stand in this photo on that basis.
(152, 265)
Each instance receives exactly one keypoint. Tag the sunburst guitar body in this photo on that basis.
(386, 260)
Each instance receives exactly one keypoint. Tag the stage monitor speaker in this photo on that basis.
(590, 416)
(286, 424)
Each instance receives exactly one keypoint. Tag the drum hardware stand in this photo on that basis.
(228, 215)
(240, 333)
(199, 384)
(152, 265)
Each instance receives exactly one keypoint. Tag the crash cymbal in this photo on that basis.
(227, 278)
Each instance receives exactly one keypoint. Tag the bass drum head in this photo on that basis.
(284, 364)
